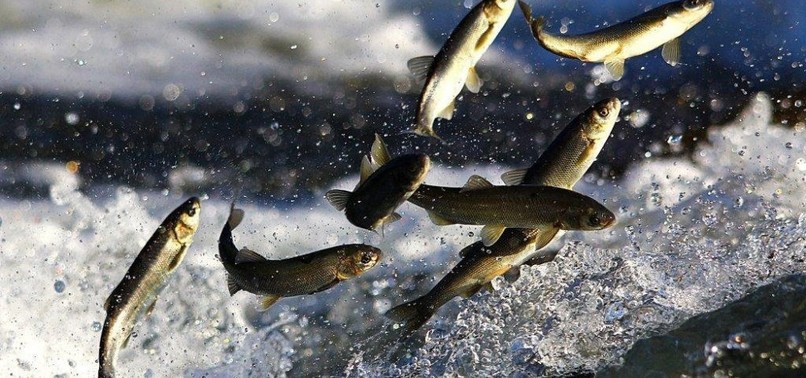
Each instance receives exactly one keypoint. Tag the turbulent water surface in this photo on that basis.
(113, 113)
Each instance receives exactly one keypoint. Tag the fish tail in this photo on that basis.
(410, 316)
(226, 248)
(106, 359)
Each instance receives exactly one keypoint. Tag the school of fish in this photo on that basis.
(536, 206)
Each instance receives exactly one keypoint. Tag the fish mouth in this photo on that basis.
(608, 221)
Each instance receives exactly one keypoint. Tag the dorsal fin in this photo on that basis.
(514, 177)
(419, 66)
(367, 168)
(247, 255)
(476, 182)
(235, 217)
(338, 198)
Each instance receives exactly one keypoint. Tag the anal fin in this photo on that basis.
(338, 198)
(447, 113)
(247, 255)
(439, 220)
(267, 301)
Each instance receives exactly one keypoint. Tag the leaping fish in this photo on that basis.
(384, 185)
(301, 275)
(614, 44)
(136, 294)
(499, 207)
(454, 66)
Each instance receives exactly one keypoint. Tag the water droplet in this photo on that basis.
(59, 286)
(17, 106)
(71, 118)
(293, 47)
(674, 139)
(788, 145)
(96, 326)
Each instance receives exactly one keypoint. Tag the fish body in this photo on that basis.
(478, 267)
(136, 294)
(385, 184)
(499, 207)
(573, 151)
(612, 45)
(454, 65)
(301, 275)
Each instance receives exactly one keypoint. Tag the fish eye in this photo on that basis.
(192, 211)
(595, 220)
(366, 258)
(603, 112)
(692, 4)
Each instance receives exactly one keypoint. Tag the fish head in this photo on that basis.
(494, 8)
(410, 170)
(186, 219)
(691, 12)
(601, 117)
(358, 259)
(589, 217)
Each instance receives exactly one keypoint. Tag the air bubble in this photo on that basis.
(59, 286)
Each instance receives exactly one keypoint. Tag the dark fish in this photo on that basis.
(306, 274)
(499, 207)
(137, 293)
(384, 185)
(641, 34)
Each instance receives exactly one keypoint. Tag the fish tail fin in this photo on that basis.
(226, 248)
(232, 285)
(539, 23)
(410, 316)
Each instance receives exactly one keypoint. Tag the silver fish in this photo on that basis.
(136, 294)
(306, 274)
(455, 64)
(384, 185)
(639, 35)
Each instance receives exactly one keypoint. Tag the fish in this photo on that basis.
(573, 151)
(499, 207)
(661, 26)
(384, 185)
(454, 66)
(477, 268)
(135, 296)
(565, 161)
(306, 274)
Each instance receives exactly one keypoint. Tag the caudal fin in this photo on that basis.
(410, 316)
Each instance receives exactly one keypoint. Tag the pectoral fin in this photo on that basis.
(177, 259)
(419, 66)
(338, 198)
(447, 113)
(267, 301)
(586, 153)
(438, 219)
(491, 233)
(615, 68)
(473, 81)
(514, 177)
(671, 52)
(150, 308)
